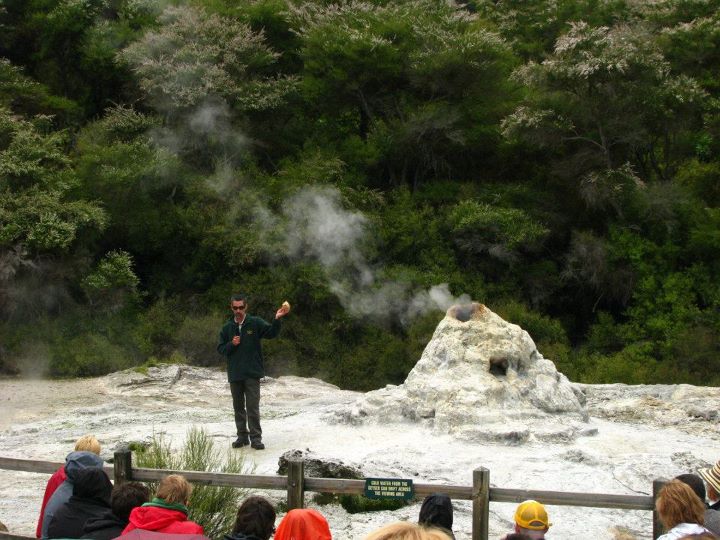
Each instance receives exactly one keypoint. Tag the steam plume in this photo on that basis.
(320, 229)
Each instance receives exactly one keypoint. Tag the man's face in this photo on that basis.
(238, 308)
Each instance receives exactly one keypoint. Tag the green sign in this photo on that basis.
(388, 488)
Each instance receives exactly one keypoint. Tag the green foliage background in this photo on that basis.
(558, 162)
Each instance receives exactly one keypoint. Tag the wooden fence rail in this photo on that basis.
(9, 536)
(296, 484)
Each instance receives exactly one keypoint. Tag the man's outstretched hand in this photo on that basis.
(284, 310)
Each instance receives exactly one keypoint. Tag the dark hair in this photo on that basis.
(437, 511)
(517, 536)
(256, 517)
(695, 482)
(238, 298)
(127, 496)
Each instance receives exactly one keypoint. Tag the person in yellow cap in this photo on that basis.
(531, 520)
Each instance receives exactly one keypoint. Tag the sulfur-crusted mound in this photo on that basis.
(480, 377)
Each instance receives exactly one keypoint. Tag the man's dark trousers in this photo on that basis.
(246, 402)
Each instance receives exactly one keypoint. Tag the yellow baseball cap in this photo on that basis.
(532, 515)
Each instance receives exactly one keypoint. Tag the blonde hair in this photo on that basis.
(87, 443)
(174, 489)
(402, 530)
(677, 503)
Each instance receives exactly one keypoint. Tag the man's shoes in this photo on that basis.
(239, 443)
(257, 445)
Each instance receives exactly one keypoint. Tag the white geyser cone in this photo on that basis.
(480, 378)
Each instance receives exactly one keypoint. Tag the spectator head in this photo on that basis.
(677, 503)
(127, 496)
(78, 460)
(92, 483)
(403, 530)
(174, 489)
(255, 517)
(517, 536)
(711, 476)
(531, 519)
(695, 482)
(87, 443)
(303, 524)
(437, 511)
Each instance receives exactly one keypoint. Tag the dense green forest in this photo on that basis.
(369, 161)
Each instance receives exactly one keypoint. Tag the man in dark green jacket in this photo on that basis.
(240, 343)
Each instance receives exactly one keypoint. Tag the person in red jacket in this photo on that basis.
(86, 443)
(167, 512)
(303, 524)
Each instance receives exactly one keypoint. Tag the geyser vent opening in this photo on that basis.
(498, 366)
(465, 312)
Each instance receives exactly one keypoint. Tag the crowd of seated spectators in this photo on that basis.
(81, 502)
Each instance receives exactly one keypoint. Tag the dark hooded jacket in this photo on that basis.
(90, 499)
(74, 463)
(104, 527)
(241, 536)
(437, 511)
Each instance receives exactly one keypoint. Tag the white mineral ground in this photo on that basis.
(633, 434)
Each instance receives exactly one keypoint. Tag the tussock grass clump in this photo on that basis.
(213, 507)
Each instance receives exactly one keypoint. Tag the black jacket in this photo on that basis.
(104, 527)
(241, 536)
(90, 499)
(245, 361)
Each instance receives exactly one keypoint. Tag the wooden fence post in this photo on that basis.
(657, 525)
(122, 464)
(481, 504)
(296, 484)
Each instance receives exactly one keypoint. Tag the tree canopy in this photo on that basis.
(371, 162)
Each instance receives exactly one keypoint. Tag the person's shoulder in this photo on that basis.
(58, 474)
(228, 322)
(189, 527)
(712, 520)
(712, 513)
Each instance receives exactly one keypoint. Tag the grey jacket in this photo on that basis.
(712, 521)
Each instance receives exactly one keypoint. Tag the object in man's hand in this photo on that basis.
(286, 306)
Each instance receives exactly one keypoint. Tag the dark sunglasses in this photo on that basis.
(238, 308)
